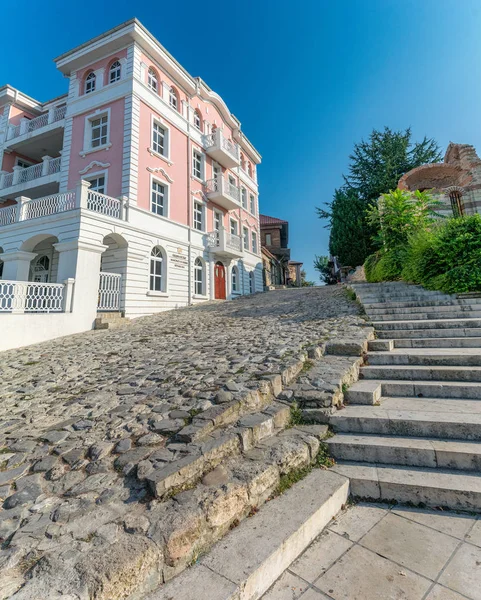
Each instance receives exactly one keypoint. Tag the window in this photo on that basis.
(253, 204)
(243, 162)
(233, 227)
(157, 262)
(99, 131)
(246, 238)
(159, 199)
(235, 279)
(268, 239)
(159, 139)
(198, 216)
(197, 164)
(252, 282)
(244, 197)
(19, 162)
(199, 277)
(197, 120)
(456, 203)
(153, 80)
(173, 100)
(97, 184)
(90, 83)
(115, 72)
(249, 169)
(254, 242)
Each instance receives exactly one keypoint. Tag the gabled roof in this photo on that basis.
(265, 220)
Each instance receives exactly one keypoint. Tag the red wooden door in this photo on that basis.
(219, 281)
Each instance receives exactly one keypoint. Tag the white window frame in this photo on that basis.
(245, 238)
(155, 88)
(163, 272)
(244, 198)
(174, 100)
(203, 214)
(235, 275)
(90, 83)
(254, 242)
(18, 160)
(202, 164)
(197, 117)
(252, 204)
(88, 131)
(117, 71)
(203, 270)
(234, 222)
(166, 186)
(97, 175)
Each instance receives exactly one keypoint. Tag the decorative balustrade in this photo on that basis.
(222, 149)
(48, 166)
(110, 286)
(30, 296)
(48, 205)
(233, 241)
(222, 186)
(8, 214)
(105, 205)
(225, 243)
(29, 125)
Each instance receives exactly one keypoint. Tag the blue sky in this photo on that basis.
(307, 78)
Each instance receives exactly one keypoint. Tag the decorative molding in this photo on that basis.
(157, 155)
(162, 171)
(94, 163)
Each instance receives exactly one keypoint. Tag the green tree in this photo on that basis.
(323, 265)
(305, 282)
(375, 167)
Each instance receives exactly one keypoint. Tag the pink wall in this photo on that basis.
(104, 63)
(113, 155)
(16, 115)
(9, 160)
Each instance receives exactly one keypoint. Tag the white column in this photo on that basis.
(99, 78)
(23, 125)
(46, 161)
(16, 174)
(21, 201)
(68, 294)
(51, 113)
(81, 195)
(212, 276)
(17, 265)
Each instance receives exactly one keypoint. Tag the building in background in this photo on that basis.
(135, 192)
(279, 270)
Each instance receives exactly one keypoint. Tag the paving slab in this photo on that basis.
(287, 587)
(450, 523)
(320, 555)
(463, 573)
(441, 593)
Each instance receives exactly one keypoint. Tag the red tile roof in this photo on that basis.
(265, 220)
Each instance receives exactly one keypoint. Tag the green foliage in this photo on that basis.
(323, 266)
(304, 281)
(375, 167)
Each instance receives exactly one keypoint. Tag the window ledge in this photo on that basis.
(157, 294)
(152, 152)
(200, 297)
(197, 179)
(84, 153)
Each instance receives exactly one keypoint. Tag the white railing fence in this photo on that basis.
(103, 204)
(233, 241)
(49, 205)
(219, 185)
(27, 126)
(8, 214)
(217, 138)
(49, 166)
(29, 296)
(33, 172)
(110, 286)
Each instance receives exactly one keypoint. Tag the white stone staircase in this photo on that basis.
(411, 430)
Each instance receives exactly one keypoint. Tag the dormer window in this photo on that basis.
(153, 81)
(115, 72)
(173, 100)
(90, 83)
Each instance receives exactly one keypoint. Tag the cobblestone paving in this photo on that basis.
(90, 424)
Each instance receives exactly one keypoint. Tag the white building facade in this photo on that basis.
(136, 192)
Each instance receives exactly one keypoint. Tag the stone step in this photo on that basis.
(464, 323)
(429, 357)
(363, 392)
(408, 422)
(433, 315)
(422, 373)
(253, 555)
(419, 486)
(395, 305)
(409, 451)
(430, 389)
(396, 334)
(444, 342)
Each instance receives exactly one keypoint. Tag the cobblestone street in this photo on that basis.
(99, 430)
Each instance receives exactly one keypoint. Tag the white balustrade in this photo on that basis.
(30, 296)
(28, 126)
(48, 205)
(110, 285)
(30, 173)
(233, 241)
(7, 214)
(224, 242)
(216, 141)
(49, 166)
(105, 205)
(222, 186)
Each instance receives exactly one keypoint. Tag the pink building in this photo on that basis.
(139, 178)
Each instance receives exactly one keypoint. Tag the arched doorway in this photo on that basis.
(41, 269)
(44, 267)
(219, 281)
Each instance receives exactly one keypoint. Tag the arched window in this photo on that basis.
(456, 203)
(197, 120)
(157, 270)
(235, 279)
(153, 80)
(243, 162)
(252, 282)
(90, 83)
(40, 269)
(249, 169)
(173, 99)
(199, 277)
(115, 71)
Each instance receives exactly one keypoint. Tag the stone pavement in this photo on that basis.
(105, 437)
(376, 552)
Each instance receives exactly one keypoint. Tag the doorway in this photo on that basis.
(219, 281)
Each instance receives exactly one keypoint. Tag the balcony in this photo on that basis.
(224, 243)
(82, 197)
(224, 151)
(222, 192)
(39, 136)
(37, 179)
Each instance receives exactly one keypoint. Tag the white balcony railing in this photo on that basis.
(82, 197)
(222, 149)
(29, 125)
(110, 286)
(224, 242)
(30, 296)
(222, 186)
(48, 166)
